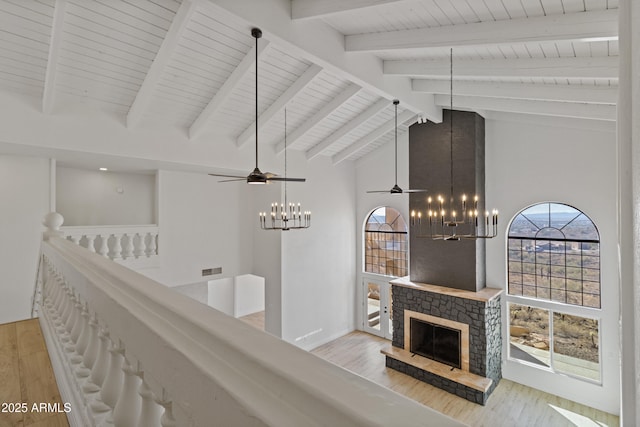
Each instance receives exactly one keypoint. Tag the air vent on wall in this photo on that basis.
(211, 271)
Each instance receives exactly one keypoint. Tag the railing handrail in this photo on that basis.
(215, 366)
(89, 229)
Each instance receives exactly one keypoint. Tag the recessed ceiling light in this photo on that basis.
(104, 169)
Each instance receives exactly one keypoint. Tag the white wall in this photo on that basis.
(376, 172)
(530, 163)
(24, 196)
(318, 264)
(203, 224)
(248, 295)
(92, 197)
(220, 295)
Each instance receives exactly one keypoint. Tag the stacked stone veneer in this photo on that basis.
(485, 338)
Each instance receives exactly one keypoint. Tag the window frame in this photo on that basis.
(367, 257)
(553, 307)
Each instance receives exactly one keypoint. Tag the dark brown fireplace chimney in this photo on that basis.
(455, 264)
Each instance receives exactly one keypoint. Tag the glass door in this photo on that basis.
(377, 308)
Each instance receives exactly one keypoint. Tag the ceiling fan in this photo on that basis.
(396, 188)
(257, 176)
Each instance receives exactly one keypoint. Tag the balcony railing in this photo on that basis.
(131, 245)
(128, 351)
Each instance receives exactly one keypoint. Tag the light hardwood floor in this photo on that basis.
(510, 405)
(26, 376)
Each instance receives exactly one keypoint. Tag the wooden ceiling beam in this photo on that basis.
(145, 94)
(541, 92)
(51, 73)
(347, 128)
(322, 114)
(298, 86)
(581, 26)
(314, 9)
(525, 106)
(244, 67)
(371, 137)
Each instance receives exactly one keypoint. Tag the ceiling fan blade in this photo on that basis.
(415, 191)
(233, 180)
(378, 191)
(278, 178)
(228, 176)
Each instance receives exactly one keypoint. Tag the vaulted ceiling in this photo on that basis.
(336, 65)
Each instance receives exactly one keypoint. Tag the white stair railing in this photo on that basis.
(128, 351)
(116, 242)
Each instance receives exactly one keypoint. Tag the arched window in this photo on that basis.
(554, 291)
(385, 237)
(554, 254)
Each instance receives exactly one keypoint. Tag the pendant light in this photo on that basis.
(285, 216)
(456, 218)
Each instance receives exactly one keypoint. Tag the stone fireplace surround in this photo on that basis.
(480, 311)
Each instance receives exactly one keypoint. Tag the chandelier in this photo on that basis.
(285, 216)
(443, 219)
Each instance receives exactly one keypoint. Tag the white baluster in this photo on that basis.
(69, 320)
(104, 246)
(63, 308)
(91, 352)
(79, 334)
(152, 248)
(167, 419)
(117, 247)
(127, 410)
(113, 380)
(75, 239)
(127, 251)
(139, 246)
(91, 242)
(150, 411)
(101, 366)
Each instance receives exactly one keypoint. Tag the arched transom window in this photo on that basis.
(386, 244)
(554, 254)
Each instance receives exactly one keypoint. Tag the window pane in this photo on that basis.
(529, 334)
(386, 243)
(557, 247)
(576, 346)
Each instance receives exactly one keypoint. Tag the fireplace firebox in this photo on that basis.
(436, 342)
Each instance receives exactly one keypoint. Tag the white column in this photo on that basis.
(628, 147)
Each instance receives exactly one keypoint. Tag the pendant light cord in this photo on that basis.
(396, 142)
(257, 102)
(451, 121)
(285, 158)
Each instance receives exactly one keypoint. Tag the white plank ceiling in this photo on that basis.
(173, 63)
